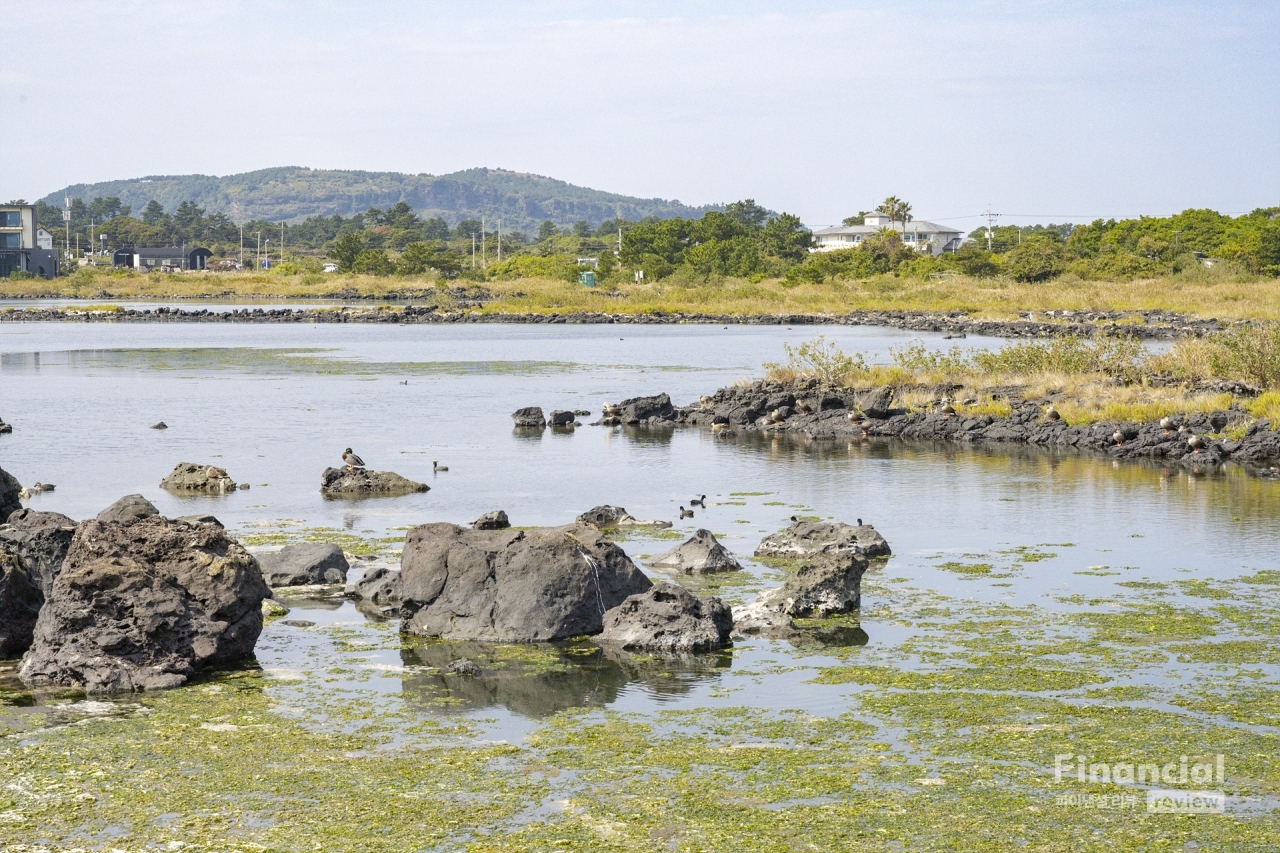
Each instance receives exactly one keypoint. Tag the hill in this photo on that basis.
(292, 193)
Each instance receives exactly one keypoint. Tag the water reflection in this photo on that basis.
(540, 680)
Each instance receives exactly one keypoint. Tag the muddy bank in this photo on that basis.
(1155, 325)
(1200, 441)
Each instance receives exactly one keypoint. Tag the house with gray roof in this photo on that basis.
(918, 234)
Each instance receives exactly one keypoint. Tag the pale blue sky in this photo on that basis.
(1042, 110)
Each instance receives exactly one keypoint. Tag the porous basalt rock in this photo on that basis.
(810, 538)
(668, 618)
(304, 564)
(40, 540)
(191, 477)
(362, 483)
(129, 509)
(145, 605)
(20, 601)
(530, 417)
(824, 585)
(10, 488)
(699, 555)
(496, 520)
(512, 585)
(379, 587)
(606, 516)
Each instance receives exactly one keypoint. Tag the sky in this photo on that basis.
(1038, 111)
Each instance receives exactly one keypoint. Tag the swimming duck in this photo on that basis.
(436, 466)
(352, 461)
(702, 502)
(686, 513)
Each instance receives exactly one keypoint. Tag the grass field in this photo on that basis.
(1204, 293)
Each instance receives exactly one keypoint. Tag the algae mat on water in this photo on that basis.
(939, 737)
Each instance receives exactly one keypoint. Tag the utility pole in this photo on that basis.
(499, 241)
(991, 219)
(484, 258)
(66, 221)
(473, 250)
(241, 259)
(619, 249)
(259, 261)
(282, 241)
(1176, 241)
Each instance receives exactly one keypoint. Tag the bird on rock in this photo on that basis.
(352, 461)
(1117, 437)
(1166, 424)
(1051, 413)
(1195, 442)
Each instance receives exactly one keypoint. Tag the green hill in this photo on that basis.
(523, 201)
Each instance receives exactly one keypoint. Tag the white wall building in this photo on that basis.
(44, 240)
(918, 234)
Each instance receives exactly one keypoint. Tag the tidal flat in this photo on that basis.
(1037, 605)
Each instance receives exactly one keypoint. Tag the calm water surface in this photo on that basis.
(275, 405)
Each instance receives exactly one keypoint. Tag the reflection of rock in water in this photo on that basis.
(840, 634)
(543, 679)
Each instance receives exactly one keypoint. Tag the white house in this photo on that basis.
(918, 234)
(44, 240)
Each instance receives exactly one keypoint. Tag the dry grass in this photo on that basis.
(1202, 295)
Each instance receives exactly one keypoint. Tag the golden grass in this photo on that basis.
(1219, 296)
(1266, 406)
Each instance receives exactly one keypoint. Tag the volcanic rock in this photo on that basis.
(701, 554)
(129, 509)
(512, 585)
(304, 564)
(190, 477)
(9, 500)
(20, 601)
(380, 587)
(361, 483)
(143, 606)
(668, 618)
(496, 520)
(529, 417)
(40, 541)
(615, 516)
(810, 538)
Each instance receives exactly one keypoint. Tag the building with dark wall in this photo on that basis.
(19, 251)
(170, 258)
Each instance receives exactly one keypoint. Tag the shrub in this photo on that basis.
(1248, 353)
(1037, 258)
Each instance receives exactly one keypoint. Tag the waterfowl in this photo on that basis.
(436, 466)
(704, 401)
(405, 382)
(161, 425)
(686, 513)
(41, 487)
(1195, 442)
(794, 519)
(717, 427)
(948, 409)
(702, 502)
(859, 522)
(215, 473)
(1166, 424)
(352, 461)
(1117, 437)
(1051, 413)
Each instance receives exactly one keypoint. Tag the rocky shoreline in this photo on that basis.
(1146, 325)
(810, 410)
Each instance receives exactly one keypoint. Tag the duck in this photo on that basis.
(43, 487)
(405, 382)
(436, 466)
(686, 513)
(1166, 424)
(160, 425)
(1051, 413)
(948, 409)
(215, 473)
(351, 460)
(794, 519)
(1195, 442)
(859, 522)
(704, 401)
(1117, 437)
(702, 502)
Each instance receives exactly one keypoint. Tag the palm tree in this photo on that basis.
(889, 207)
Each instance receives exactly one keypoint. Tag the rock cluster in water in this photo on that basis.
(1140, 324)
(362, 483)
(190, 477)
(822, 412)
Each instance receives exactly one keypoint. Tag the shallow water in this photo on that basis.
(1019, 566)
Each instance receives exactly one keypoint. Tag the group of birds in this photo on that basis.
(353, 462)
(1194, 441)
(698, 501)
